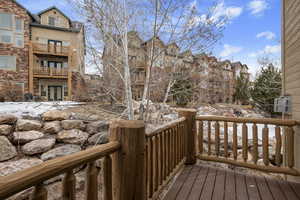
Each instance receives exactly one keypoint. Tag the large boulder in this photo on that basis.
(54, 115)
(99, 138)
(7, 119)
(97, 126)
(11, 167)
(28, 125)
(7, 150)
(73, 136)
(38, 146)
(60, 151)
(72, 124)
(26, 136)
(6, 129)
(52, 127)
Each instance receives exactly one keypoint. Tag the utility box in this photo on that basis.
(283, 104)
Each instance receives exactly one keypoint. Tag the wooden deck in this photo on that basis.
(205, 183)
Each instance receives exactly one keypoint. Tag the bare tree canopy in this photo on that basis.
(177, 22)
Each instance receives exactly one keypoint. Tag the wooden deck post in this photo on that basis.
(190, 132)
(128, 166)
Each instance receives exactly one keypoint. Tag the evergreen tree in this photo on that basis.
(266, 87)
(182, 90)
(242, 90)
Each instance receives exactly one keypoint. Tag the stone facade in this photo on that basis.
(50, 51)
(20, 75)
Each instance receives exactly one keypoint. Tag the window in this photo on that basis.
(43, 91)
(8, 62)
(51, 21)
(20, 40)
(19, 26)
(6, 21)
(6, 36)
(65, 90)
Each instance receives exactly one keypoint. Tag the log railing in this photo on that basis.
(138, 165)
(165, 153)
(228, 140)
(37, 175)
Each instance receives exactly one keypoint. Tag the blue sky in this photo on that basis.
(253, 29)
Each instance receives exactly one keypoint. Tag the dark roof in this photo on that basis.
(55, 27)
(51, 8)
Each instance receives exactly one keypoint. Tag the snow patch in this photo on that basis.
(34, 109)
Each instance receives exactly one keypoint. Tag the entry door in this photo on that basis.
(55, 93)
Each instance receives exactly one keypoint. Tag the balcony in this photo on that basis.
(176, 153)
(49, 72)
(50, 49)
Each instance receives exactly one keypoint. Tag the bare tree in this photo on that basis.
(173, 21)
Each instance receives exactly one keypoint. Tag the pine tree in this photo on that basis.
(182, 90)
(242, 90)
(266, 87)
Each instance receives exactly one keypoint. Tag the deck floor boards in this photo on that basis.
(210, 183)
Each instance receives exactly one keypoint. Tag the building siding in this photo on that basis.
(21, 54)
(291, 63)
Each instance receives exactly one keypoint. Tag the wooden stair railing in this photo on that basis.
(284, 137)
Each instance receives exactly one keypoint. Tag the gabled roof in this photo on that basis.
(34, 17)
(157, 38)
(173, 44)
(55, 8)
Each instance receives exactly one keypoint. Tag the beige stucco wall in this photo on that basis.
(74, 40)
(291, 61)
(62, 20)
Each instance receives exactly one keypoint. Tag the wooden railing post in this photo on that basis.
(190, 132)
(128, 170)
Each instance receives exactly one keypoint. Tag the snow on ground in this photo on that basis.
(34, 109)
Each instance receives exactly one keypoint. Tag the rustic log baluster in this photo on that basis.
(255, 143)
(107, 169)
(265, 140)
(150, 168)
(235, 141)
(146, 168)
(225, 139)
(217, 138)
(245, 141)
(91, 187)
(200, 137)
(290, 146)
(163, 161)
(278, 157)
(209, 137)
(166, 153)
(39, 193)
(169, 152)
(68, 186)
(154, 166)
(158, 138)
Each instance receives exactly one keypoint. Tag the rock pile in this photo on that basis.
(34, 141)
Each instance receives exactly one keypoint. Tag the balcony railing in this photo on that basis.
(50, 49)
(139, 165)
(49, 71)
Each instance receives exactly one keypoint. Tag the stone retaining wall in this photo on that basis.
(24, 143)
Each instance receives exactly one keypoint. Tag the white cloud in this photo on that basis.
(221, 14)
(267, 34)
(229, 50)
(269, 49)
(257, 7)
